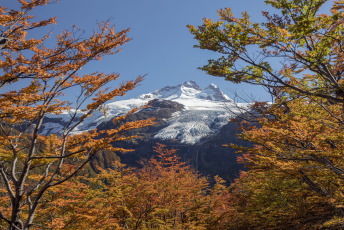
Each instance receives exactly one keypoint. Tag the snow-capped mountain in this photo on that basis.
(188, 91)
(204, 113)
(192, 120)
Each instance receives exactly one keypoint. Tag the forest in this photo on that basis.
(294, 177)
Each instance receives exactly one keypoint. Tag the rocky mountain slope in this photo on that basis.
(192, 120)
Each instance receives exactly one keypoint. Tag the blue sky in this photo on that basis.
(162, 46)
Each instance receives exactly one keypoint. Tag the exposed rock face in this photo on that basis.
(209, 156)
(189, 119)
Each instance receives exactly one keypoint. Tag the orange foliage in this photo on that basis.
(39, 77)
(296, 169)
(164, 194)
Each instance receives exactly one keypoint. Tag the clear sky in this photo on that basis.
(162, 46)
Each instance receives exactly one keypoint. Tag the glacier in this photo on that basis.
(205, 112)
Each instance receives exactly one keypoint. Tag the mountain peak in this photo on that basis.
(212, 86)
(188, 89)
(215, 94)
(191, 84)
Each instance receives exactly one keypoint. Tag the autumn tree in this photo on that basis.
(164, 194)
(33, 79)
(295, 178)
(307, 43)
(296, 168)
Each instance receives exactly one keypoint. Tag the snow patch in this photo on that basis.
(205, 113)
(190, 126)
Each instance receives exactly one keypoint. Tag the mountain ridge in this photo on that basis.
(192, 120)
(201, 109)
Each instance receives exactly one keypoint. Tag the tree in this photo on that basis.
(308, 44)
(31, 164)
(296, 168)
(295, 178)
(164, 194)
